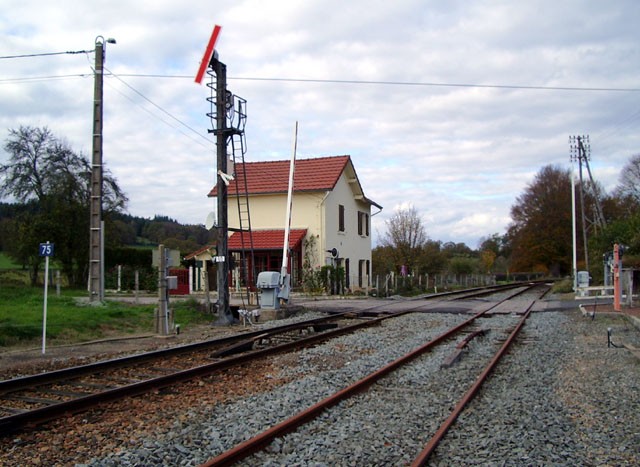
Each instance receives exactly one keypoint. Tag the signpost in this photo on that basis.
(46, 250)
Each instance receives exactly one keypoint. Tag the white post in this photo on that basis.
(119, 278)
(573, 230)
(207, 297)
(162, 321)
(101, 261)
(285, 279)
(44, 310)
(137, 285)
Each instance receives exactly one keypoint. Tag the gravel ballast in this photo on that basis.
(561, 397)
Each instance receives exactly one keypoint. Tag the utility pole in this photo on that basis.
(581, 153)
(577, 156)
(162, 312)
(96, 250)
(222, 134)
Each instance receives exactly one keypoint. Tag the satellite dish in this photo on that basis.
(334, 252)
(211, 221)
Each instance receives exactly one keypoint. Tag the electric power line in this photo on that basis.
(44, 78)
(431, 84)
(402, 83)
(166, 112)
(166, 122)
(373, 82)
(305, 80)
(69, 52)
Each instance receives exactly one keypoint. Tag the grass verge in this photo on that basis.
(71, 321)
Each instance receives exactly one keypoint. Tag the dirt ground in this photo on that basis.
(16, 361)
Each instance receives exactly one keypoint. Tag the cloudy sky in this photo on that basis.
(449, 106)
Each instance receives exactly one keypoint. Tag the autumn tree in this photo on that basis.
(540, 233)
(493, 252)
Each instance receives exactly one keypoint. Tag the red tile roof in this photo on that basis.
(262, 240)
(318, 174)
(199, 251)
(267, 239)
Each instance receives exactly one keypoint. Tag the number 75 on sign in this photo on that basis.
(46, 249)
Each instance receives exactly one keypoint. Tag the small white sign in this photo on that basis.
(218, 259)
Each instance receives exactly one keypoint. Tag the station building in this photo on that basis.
(330, 218)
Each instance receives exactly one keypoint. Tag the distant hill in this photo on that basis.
(127, 230)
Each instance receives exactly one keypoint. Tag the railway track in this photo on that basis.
(258, 444)
(32, 400)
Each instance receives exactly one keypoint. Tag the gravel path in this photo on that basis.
(562, 398)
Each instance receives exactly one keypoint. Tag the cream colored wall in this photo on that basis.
(318, 213)
(269, 211)
(349, 244)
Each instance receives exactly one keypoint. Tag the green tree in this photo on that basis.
(451, 250)
(625, 231)
(622, 210)
(431, 258)
(45, 171)
(461, 265)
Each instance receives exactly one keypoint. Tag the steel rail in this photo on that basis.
(473, 292)
(66, 373)
(421, 459)
(11, 423)
(256, 443)
(259, 441)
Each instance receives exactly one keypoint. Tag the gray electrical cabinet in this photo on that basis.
(269, 285)
(583, 279)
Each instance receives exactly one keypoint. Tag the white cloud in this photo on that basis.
(460, 155)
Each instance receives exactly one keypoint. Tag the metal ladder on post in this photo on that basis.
(238, 150)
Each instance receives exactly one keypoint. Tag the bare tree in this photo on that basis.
(630, 179)
(404, 229)
(55, 180)
(405, 236)
(25, 175)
